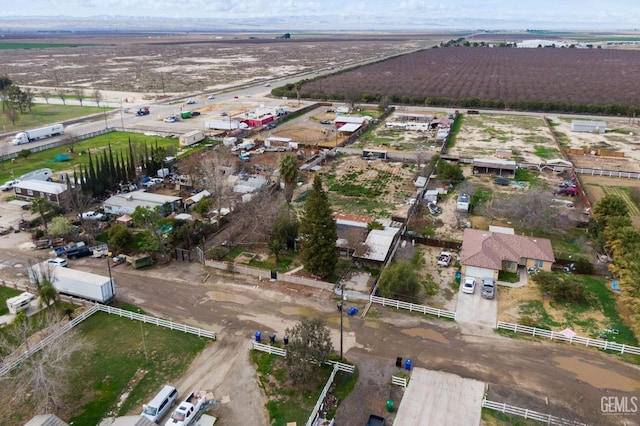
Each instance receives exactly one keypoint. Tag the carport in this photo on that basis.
(489, 166)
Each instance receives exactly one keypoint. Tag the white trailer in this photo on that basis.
(191, 138)
(85, 285)
(222, 125)
(20, 303)
(39, 133)
(40, 174)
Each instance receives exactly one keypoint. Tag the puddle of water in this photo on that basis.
(292, 310)
(597, 376)
(425, 333)
(219, 296)
(372, 324)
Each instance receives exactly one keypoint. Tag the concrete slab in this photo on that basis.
(434, 398)
(474, 309)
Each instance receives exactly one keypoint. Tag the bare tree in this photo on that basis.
(42, 378)
(97, 95)
(70, 141)
(61, 94)
(529, 209)
(79, 93)
(46, 95)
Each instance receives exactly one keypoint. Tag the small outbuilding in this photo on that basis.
(31, 189)
(489, 166)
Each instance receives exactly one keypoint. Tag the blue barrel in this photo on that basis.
(258, 336)
(407, 365)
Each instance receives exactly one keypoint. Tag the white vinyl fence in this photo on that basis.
(529, 414)
(586, 341)
(337, 366)
(158, 321)
(16, 359)
(398, 304)
(399, 381)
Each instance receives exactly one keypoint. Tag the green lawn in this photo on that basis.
(44, 114)
(119, 143)
(294, 404)
(113, 377)
(117, 357)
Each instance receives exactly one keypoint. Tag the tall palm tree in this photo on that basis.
(47, 294)
(289, 174)
(42, 207)
(298, 87)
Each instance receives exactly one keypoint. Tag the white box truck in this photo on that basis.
(72, 282)
(191, 138)
(39, 133)
(222, 125)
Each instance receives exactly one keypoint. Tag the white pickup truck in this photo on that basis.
(445, 258)
(191, 409)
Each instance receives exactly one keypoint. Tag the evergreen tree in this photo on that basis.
(319, 233)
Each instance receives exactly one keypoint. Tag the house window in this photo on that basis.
(18, 191)
(539, 263)
(29, 192)
(510, 266)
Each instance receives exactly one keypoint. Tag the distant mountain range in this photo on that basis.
(262, 24)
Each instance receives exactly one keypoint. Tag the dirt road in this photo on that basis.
(573, 379)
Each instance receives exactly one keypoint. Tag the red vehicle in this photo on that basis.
(569, 190)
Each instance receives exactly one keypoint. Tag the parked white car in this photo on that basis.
(8, 185)
(170, 120)
(469, 285)
(58, 261)
(91, 215)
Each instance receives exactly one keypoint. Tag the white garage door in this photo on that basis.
(477, 272)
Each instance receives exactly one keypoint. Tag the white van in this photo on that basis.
(160, 404)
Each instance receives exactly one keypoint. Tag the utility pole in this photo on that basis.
(341, 316)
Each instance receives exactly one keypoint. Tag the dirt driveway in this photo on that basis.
(574, 378)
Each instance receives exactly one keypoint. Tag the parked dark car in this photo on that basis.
(78, 252)
(195, 113)
(270, 126)
(502, 181)
(325, 121)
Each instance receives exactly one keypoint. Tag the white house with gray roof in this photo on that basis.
(126, 203)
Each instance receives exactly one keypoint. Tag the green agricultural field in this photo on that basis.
(20, 45)
(624, 194)
(119, 142)
(44, 114)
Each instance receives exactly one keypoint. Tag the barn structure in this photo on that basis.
(490, 166)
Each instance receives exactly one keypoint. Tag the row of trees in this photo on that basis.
(110, 169)
(613, 232)
(17, 101)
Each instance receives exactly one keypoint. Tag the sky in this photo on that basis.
(359, 14)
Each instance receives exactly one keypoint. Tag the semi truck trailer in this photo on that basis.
(72, 282)
(39, 133)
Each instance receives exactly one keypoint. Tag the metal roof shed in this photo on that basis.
(493, 167)
(588, 126)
